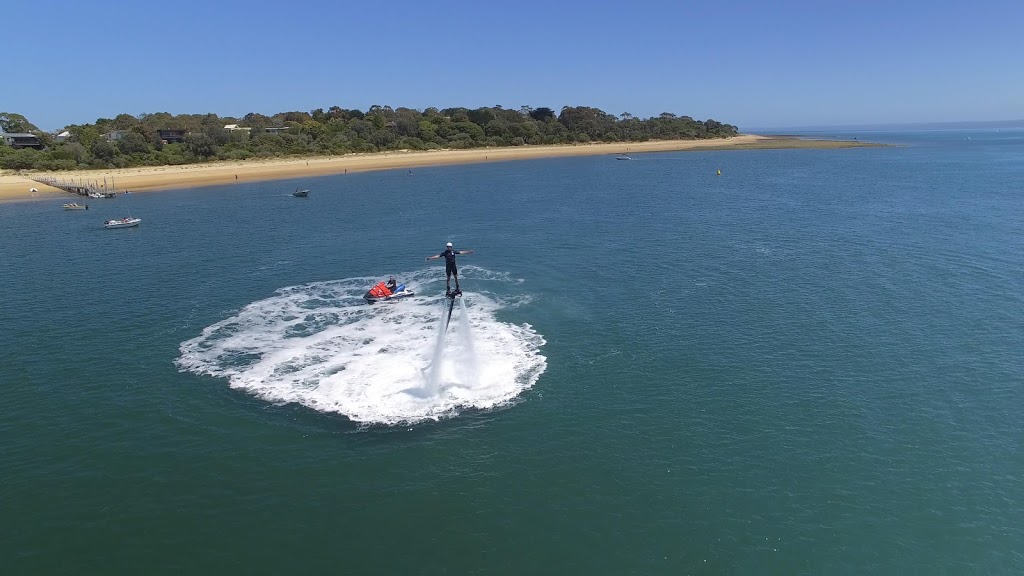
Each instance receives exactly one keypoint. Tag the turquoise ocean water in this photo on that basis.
(811, 364)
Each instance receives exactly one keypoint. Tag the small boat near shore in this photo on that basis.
(300, 193)
(623, 157)
(76, 206)
(127, 222)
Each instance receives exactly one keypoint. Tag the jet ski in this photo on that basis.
(381, 293)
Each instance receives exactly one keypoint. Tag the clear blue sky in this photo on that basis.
(757, 64)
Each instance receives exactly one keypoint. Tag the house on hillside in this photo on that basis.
(276, 129)
(22, 140)
(235, 128)
(62, 137)
(115, 135)
(171, 136)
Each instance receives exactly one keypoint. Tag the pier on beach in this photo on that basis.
(80, 187)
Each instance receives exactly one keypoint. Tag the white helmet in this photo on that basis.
(449, 244)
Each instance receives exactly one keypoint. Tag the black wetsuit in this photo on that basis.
(449, 262)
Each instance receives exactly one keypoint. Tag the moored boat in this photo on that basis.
(76, 206)
(127, 222)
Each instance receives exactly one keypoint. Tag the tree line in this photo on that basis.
(126, 140)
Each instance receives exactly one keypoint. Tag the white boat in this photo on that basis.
(76, 206)
(300, 193)
(128, 222)
(95, 195)
(622, 157)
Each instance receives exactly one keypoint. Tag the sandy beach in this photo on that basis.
(17, 186)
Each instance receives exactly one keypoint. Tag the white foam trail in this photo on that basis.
(467, 328)
(320, 346)
(434, 376)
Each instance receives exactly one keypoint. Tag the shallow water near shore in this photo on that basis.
(811, 364)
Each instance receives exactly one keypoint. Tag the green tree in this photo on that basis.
(407, 126)
(313, 128)
(24, 159)
(383, 139)
(11, 122)
(471, 129)
(102, 150)
(255, 121)
(85, 135)
(133, 143)
(497, 128)
(45, 138)
(428, 131)
(481, 116)
(71, 151)
(342, 130)
(124, 122)
(362, 128)
(542, 114)
(296, 117)
(200, 145)
(456, 114)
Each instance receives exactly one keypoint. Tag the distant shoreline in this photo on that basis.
(16, 186)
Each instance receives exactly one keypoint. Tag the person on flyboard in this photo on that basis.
(450, 268)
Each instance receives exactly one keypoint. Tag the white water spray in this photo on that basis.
(434, 369)
(471, 358)
(320, 346)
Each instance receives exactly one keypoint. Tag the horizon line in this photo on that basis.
(949, 124)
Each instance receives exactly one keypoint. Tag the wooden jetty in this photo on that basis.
(80, 187)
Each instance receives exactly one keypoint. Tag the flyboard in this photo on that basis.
(451, 296)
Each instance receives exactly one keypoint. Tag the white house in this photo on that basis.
(115, 135)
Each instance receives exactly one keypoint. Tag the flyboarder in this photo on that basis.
(450, 268)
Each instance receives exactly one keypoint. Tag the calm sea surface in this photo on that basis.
(811, 364)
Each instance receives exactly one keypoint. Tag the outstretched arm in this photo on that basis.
(463, 252)
(434, 257)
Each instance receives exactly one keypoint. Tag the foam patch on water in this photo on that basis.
(321, 346)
